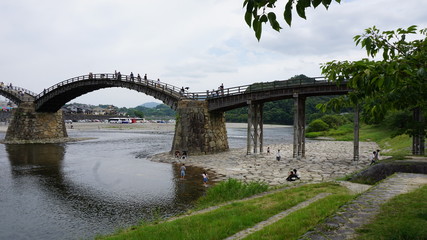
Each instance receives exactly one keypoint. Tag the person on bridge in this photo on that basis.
(145, 77)
(131, 77)
(138, 78)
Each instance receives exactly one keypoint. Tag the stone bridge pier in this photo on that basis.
(28, 126)
(199, 131)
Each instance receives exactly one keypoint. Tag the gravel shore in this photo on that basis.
(325, 160)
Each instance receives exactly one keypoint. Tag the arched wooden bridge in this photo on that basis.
(54, 97)
(201, 114)
(17, 94)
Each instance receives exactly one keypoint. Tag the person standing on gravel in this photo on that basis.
(278, 156)
(205, 178)
(183, 168)
(373, 157)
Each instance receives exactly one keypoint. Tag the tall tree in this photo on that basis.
(397, 81)
(261, 11)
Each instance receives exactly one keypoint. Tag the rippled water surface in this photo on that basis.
(78, 190)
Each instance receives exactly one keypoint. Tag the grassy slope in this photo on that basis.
(232, 218)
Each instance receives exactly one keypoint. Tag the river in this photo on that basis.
(82, 189)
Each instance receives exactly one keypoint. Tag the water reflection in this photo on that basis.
(58, 191)
(36, 159)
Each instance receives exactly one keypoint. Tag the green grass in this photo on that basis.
(403, 217)
(231, 189)
(299, 222)
(229, 219)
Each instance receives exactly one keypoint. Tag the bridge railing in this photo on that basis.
(19, 92)
(257, 87)
(163, 87)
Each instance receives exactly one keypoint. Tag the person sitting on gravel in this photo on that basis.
(184, 154)
(292, 175)
(177, 154)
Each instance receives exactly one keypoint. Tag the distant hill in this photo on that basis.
(150, 104)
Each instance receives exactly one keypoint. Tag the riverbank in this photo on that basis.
(325, 160)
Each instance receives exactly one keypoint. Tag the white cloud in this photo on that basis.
(199, 44)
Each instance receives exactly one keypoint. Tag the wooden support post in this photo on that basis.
(248, 138)
(418, 140)
(296, 131)
(301, 127)
(255, 128)
(261, 126)
(356, 134)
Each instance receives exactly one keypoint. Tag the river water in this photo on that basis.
(82, 189)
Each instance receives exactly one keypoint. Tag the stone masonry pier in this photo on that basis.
(199, 131)
(29, 126)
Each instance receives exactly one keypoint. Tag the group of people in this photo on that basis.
(218, 92)
(204, 175)
(293, 175)
(118, 76)
(179, 155)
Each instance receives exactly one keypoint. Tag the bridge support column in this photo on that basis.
(199, 131)
(29, 126)
(299, 127)
(356, 134)
(255, 128)
(418, 140)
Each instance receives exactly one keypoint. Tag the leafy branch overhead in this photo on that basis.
(261, 11)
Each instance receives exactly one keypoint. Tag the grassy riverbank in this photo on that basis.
(237, 216)
(395, 146)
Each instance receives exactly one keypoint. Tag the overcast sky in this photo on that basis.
(194, 43)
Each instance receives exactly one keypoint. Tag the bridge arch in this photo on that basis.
(17, 94)
(53, 98)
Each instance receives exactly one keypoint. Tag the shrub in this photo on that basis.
(317, 125)
(334, 121)
(231, 189)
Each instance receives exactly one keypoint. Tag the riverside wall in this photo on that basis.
(198, 131)
(27, 125)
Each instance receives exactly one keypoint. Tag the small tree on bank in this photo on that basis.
(397, 82)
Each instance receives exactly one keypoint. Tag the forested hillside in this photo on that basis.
(280, 112)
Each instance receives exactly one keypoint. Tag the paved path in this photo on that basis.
(364, 208)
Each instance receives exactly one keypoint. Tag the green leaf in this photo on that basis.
(326, 3)
(248, 18)
(301, 10)
(263, 18)
(256, 25)
(316, 3)
(288, 13)
(273, 22)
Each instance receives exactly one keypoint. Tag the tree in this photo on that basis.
(261, 11)
(397, 82)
